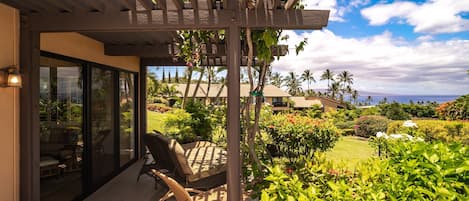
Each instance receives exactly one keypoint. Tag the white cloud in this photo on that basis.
(425, 38)
(383, 63)
(434, 16)
(337, 11)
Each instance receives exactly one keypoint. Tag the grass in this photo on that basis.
(154, 121)
(350, 150)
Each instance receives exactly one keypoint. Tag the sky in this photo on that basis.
(396, 47)
(392, 47)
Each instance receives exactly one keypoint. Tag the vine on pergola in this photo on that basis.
(265, 42)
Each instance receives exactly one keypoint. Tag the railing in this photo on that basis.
(279, 104)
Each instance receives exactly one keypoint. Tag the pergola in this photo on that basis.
(147, 29)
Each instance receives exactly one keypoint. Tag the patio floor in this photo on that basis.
(124, 187)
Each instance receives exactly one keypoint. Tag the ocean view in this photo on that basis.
(407, 98)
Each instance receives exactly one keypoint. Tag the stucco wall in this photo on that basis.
(9, 109)
(82, 47)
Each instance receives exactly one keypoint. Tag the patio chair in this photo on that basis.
(199, 164)
(177, 191)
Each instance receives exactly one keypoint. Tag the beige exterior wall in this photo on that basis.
(9, 107)
(82, 47)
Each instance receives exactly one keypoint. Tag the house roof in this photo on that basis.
(326, 99)
(301, 102)
(269, 90)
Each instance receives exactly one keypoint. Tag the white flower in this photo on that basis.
(419, 139)
(395, 136)
(410, 124)
(382, 135)
(410, 137)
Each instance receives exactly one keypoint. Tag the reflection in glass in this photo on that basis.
(102, 125)
(127, 117)
(61, 135)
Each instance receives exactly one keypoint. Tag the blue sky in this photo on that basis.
(397, 47)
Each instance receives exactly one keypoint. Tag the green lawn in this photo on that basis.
(154, 121)
(350, 150)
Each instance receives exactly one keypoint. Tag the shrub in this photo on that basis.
(300, 136)
(456, 110)
(431, 130)
(201, 123)
(394, 111)
(177, 124)
(368, 126)
(412, 171)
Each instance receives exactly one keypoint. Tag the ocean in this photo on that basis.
(406, 99)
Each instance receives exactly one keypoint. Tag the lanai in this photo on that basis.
(146, 28)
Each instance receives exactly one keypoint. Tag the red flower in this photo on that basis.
(289, 170)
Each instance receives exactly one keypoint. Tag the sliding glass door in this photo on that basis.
(103, 155)
(127, 117)
(61, 129)
(88, 126)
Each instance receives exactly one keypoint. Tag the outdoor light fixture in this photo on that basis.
(10, 77)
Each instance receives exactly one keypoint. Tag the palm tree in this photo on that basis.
(329, 76)
(276, 79)
(308, 77)
(293, 84)
(169, 91)
(346, 79)
(335, 88)
(354, 96)
(368, 100)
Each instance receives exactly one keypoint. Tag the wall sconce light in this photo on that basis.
(10, 77)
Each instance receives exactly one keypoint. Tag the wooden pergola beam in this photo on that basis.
(163, 50)
(176, 20)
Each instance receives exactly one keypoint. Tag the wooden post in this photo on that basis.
(143, 106)
(29, 113)
(233, 116)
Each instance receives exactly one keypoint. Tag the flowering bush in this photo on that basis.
(412, 171)
(300, 136)
(432, 130)
(368, 126)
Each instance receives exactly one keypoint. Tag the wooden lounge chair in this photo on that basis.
(200, 164)
(183, 194)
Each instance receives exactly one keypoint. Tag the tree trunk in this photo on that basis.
(209, 77)
(198, 84)
(188, 84)
(251, 130)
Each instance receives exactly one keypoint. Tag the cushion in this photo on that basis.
(205, 162)
(177, 154)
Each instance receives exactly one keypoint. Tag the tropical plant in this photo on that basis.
(308, 77)
(293, 84)
(296, 135)
(276, 79)
(329, 76)
(368, 126)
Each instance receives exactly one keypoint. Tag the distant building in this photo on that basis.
(300, 103)
(328, 104)
(273, 95)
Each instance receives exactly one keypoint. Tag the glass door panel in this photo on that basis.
(127, 117)
(61, 134)
(102, 116)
